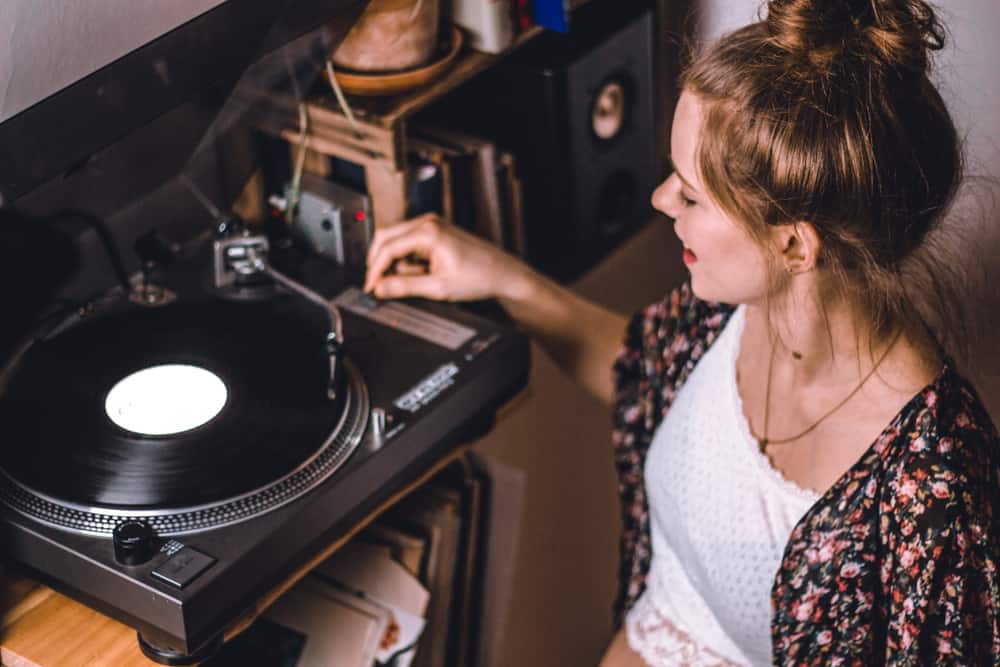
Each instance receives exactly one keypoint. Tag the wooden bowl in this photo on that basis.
(400, 81)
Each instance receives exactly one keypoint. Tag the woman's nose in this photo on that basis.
(665, 198)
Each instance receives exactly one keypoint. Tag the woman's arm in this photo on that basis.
(427, 258)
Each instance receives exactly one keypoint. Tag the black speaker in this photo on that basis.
(577, 112)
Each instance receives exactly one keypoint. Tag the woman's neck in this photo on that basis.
(816, 338)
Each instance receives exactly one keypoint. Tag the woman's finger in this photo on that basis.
(406, 267)
(418, 242)
(398, 286)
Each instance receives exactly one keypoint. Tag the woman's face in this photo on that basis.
(725, 262)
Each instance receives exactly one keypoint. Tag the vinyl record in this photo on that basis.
(59, 439)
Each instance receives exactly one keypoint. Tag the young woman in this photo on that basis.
(806, 479)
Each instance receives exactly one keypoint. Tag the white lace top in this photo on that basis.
(720, 516)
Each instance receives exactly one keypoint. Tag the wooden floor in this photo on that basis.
(41, 628)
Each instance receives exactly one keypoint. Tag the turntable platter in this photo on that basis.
(272, 419)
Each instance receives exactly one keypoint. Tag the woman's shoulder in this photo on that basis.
(946, 452)
(663, 342)
(678, 318)
(948, 421)
(922, 516)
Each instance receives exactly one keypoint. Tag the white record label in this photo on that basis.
(164, 400)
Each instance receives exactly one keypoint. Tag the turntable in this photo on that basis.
(174, 453)
(184, 442)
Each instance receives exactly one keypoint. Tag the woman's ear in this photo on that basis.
(799, 246)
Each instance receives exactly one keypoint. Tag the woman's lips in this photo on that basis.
(689, 257)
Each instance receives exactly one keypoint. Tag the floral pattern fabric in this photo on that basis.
(896, 564)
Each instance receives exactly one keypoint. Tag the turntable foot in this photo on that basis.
(170, 657)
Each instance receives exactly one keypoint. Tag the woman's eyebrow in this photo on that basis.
(685, 181)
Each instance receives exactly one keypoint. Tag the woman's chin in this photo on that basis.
(701, 290)
(709, 291)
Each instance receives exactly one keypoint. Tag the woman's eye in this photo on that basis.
(687, 201)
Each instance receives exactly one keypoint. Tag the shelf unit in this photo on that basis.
(380, 142)
(380, 145)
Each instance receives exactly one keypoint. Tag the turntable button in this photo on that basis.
(183, 567)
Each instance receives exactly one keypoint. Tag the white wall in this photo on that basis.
(716, 17)
(46, 45)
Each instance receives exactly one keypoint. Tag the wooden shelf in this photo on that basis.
(386, 112)
(378, 141)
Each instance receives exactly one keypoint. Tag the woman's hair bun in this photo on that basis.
(896, 34)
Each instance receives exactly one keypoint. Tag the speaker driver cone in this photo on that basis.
(607, 115)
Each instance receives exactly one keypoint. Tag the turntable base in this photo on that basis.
(42, 628)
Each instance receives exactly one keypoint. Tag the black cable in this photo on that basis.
(104, 235)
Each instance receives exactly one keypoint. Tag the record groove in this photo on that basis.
(101, 521)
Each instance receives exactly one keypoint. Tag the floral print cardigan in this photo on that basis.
(896, 564)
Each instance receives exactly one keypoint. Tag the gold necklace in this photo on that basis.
(764, 441)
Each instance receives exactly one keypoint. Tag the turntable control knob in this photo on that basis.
(134, 542)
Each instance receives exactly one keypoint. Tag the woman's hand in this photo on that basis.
(429, 258)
